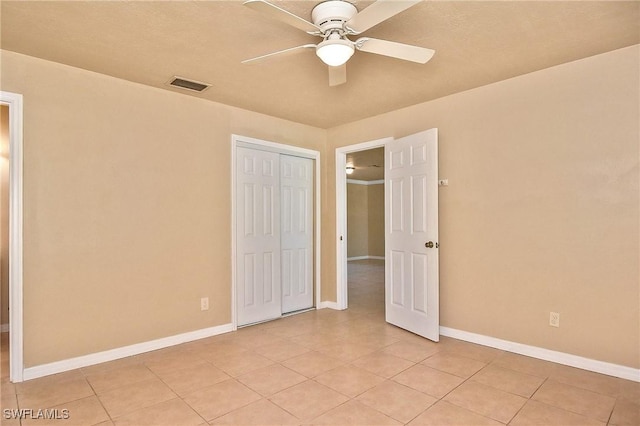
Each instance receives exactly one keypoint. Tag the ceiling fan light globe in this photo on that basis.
(335, 52)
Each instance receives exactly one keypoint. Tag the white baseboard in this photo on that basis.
(328, 304)
(4, 328)
(125, 351)
(366, 182)
(365, 258)
(607, 368)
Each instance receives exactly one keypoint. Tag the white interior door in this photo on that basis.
(296, 194)
(411, 227)
(258, 235)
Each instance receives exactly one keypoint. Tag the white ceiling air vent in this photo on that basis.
(183, 83)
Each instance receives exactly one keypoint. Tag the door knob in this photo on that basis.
(429, 244)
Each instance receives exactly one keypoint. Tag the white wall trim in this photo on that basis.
(123, 352)
(16, 360)
(341, 214)
(341, 230)
(367, 257)
(349, 259)
(366, 182)
(247, 142)
(563, 358)
(329, 305)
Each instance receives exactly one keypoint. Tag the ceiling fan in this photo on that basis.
(335, 21)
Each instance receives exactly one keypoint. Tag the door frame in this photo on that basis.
(341, 215)
(248, 142)
(16, 361)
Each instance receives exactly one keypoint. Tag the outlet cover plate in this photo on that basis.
(204, 304)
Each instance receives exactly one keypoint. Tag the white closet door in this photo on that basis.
(296, 183)
(258, 236)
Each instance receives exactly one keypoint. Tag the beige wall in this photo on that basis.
(375, 224)
(4, 214)
(126, 207)
(542, 212)
(365, 220)
(357, 220)
(127, 211)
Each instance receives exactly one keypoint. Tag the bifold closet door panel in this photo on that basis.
(296, 184)
(258, 249)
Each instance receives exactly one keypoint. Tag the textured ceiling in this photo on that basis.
(476, 43)
(369, 164)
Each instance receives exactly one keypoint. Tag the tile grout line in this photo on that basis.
(178, 396)
(550, 380)
(527, 401)
(97, 397)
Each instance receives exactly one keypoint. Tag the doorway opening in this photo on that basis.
(411, 283)
(365, 231)
(360, 225)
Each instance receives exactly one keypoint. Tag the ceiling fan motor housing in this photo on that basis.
(332, 14)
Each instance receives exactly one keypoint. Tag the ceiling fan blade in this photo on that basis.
(379, 11)
(282, 15)
(279, 53)
(337, 75)
(407, 52)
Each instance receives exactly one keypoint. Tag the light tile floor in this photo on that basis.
(328, 367)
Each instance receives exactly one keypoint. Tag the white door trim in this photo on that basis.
(16, 361)
(238, 140)
(341, 214)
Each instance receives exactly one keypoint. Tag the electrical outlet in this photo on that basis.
(204, 304)
(554, 319)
